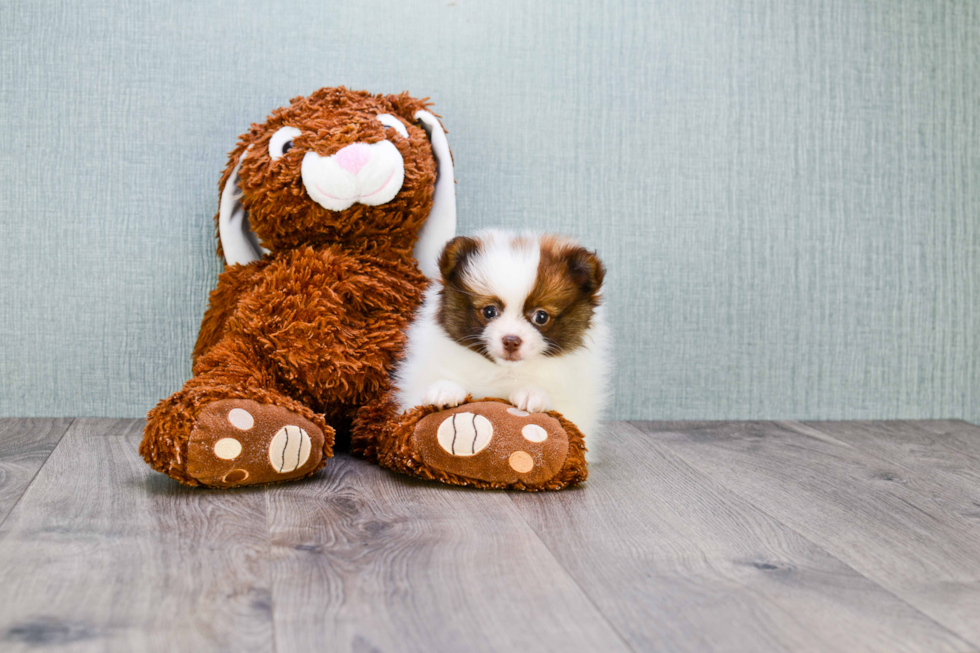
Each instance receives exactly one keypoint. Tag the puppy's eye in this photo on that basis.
(389, 120)
(282, 141)
(540, 317)
(489, 312)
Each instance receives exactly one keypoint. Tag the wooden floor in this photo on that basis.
(713, 536)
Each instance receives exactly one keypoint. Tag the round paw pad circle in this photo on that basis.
(242, 442)
(534, 433)
(521, 461)
(492, 441)
(289, 450)
(464, 434)
(241, 419)
(227, 448)
(235, 476)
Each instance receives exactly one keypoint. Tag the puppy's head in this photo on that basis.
(515, 298)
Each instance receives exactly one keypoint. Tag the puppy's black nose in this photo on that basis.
(511, 343)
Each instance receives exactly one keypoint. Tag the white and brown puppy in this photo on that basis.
(515, 317)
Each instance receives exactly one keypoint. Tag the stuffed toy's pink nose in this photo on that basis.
(354, 157)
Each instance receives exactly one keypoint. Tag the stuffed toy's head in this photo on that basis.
(340, 166)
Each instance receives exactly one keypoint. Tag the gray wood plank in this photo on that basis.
(103, 554)
(368, 560)
(921, 444)
(679, 563)
(942, 465)
(970, 430)
(851, 503)
(25, 444)
(961, 439)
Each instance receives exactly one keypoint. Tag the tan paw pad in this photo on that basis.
(241, 419)
(290, 449)
(521, 462)
(534, 433)
(464, 434)
(235, 476)
(227, 448)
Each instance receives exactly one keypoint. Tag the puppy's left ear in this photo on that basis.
(455, 254)
(585, 270)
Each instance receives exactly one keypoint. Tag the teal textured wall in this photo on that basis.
(787, 194)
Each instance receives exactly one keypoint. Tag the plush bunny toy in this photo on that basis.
(332, 212)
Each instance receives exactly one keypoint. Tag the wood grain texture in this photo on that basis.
(942, 462)
(960, 439)
(367, 560)
(24, 446)
(855, 505)
(677, 562)
(687, 537)
(102, 554)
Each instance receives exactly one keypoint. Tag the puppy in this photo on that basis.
(516, 317)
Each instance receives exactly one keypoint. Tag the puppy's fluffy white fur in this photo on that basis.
(438, 370)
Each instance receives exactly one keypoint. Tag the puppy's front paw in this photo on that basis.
(444, 394)
(533, 400)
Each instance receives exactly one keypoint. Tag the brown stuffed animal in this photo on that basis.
(310, 311)
(330, 213)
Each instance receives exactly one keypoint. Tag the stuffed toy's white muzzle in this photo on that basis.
(367, 173)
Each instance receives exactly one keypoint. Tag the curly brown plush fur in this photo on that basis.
(315, 326)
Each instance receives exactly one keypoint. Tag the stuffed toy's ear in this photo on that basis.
(238, 242)
(440, 226)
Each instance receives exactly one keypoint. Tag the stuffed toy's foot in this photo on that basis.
(235, 442)
(486, 444)
(239, 442)
(493, 443)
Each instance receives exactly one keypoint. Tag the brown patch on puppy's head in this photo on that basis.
(279, 176)
(460, 308)
(567, 291)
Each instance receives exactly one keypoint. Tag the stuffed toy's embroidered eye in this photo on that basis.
(540, 317)
(389, 120)
(282, 141)
(489, 312)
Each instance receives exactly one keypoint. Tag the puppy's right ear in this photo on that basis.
(455, 254)
(585, 270)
